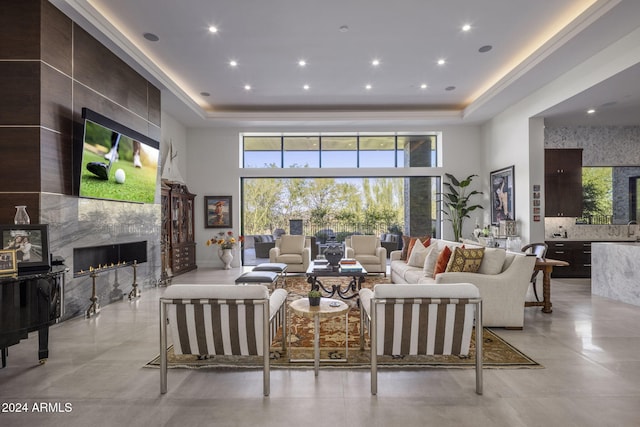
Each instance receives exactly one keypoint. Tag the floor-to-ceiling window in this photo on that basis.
(340, 183)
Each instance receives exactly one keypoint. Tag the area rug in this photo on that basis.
(497, 353)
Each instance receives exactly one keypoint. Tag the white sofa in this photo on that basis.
(503, 280)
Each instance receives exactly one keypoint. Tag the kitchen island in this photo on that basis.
(615, 271)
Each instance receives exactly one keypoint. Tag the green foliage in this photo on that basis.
(597, 190)
(269, 203)
(314, 294)
(457, 201)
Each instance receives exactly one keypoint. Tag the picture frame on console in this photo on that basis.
(30, 243)
(7, 262)
(217, 212)
(502, 195)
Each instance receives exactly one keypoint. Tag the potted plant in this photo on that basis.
(456, 199)
(314, 297)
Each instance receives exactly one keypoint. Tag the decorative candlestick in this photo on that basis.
(135, 292)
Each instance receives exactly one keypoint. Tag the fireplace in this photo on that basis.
(96, 258)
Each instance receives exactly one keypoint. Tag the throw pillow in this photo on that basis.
(443, 260)
(465, 260)
(493, 261)
(430, 260)
(407, 245)
(418, 254)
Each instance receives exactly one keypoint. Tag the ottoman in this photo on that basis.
(275, 267)
(264, 277)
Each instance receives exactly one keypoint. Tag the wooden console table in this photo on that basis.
(546, 266)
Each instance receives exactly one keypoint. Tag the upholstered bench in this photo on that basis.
(261, 277)
(275, 267)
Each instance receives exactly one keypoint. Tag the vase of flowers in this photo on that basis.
(226, 242)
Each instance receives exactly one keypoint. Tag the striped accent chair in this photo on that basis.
(221, 320)
(429, 319)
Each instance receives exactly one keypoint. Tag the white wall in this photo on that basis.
(513, 137)
(214, 158)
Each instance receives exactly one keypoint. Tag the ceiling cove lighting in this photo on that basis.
(213, 29)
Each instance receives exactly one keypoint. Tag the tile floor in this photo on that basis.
(590, 347)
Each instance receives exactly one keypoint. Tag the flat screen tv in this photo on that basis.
(117, 163)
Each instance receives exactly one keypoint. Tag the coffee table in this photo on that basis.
(356, 272)
(327, 308)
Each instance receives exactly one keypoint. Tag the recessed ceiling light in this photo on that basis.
(591, 111)
(450, 88)
(205, 94)
(247, 87)
(151, 37)
(213, 29)
(375, 62)
(302, 63)
(466, 27)
(233, 63)
(305, 87)
(368, 87)
(441, 62)
(485, 48)
(423, 86)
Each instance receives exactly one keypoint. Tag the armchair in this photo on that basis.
(293, 250)
(419, 319)
(221, 319)
(368, 251)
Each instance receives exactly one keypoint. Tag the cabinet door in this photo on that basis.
(563, 182)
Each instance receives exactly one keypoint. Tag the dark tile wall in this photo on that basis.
(50, 69)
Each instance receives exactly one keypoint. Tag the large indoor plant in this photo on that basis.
(457, 201)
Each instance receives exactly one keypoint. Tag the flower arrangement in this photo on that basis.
(226, 240)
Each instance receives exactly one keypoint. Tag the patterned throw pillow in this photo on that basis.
(465, 260)
(407, 245)
(443, 260)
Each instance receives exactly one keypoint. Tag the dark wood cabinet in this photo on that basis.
(178, 238)
(576, 253)
(563, 182)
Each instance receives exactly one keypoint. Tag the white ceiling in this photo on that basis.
(532, 43)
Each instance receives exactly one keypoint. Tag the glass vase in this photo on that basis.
(22, 217)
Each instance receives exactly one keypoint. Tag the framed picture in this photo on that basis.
(7, 261)
(502, 195)
(30, 243)
(217, 211)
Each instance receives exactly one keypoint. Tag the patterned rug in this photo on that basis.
(299, 354)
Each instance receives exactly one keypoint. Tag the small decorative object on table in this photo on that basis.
(334, 254)
(314, 297)
(22, 217)
(227, 241)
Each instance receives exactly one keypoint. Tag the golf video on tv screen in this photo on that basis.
(117, 163)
